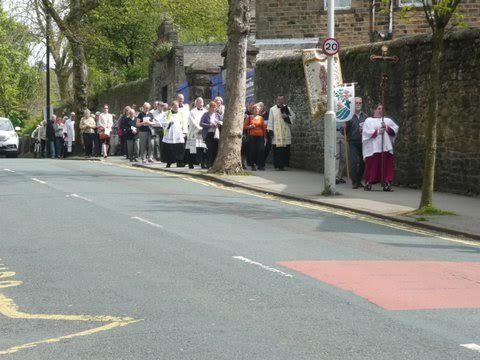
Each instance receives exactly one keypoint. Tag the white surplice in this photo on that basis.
(282, 135)
(194, 137)
(374, 145)
(173, 128)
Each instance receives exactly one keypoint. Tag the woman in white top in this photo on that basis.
(105, 124)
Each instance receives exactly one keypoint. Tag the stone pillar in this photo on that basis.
(199, 76)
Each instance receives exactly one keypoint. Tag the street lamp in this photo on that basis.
(47, 28)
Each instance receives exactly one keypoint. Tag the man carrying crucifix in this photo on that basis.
(378, 131)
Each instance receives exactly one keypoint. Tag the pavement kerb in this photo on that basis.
(232, 183)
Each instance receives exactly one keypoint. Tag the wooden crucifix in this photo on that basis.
(384, 60)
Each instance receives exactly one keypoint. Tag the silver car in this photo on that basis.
(8, 138)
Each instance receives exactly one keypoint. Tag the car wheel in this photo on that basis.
(12, 155)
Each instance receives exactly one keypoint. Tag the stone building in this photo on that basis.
(307, 19)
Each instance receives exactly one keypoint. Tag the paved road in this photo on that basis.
(107, 262)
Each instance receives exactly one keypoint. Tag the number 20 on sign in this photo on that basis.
(331, 46)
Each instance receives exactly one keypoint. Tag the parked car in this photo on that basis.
(8, 138)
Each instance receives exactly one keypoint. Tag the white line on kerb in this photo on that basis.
(78, 197)
(473, 347)
(265, 267)
(147, 222)
(9, 170)
(39, 181)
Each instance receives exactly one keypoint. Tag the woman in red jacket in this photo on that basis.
(255, 126)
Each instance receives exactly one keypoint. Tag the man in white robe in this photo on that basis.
(195, 144)
(280, 119)
(377, 131)
(173, 142)
(69, 133)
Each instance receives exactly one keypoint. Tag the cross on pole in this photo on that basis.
(383, 59)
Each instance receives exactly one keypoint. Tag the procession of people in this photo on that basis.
(183, 135)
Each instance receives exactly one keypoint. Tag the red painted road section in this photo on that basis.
(401, 285)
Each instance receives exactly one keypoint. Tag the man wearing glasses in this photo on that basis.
(354, 136)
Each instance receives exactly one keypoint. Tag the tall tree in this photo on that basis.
(70, 24)
(31, 13)
(119, 41)
(18, 80)
(438, 14)
(228, 160)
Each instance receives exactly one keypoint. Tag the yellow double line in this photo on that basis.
(11, 310)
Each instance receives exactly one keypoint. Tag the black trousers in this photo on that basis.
(88, 142)
(197, 159)
(212, 148)
(256, 151)
(123, 145)
(280, 156)
(268, 147)
(357, 166)
(287, 156)
(96, 145)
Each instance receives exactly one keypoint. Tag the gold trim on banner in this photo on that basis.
(315, 71)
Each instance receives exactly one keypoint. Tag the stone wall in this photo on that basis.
(308, 18)
(458, 161)
(135, 92)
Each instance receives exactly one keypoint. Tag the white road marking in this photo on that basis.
(265, 267)
(39, 181)
(147, 222)
(473, 347)
(9, 170)
(78, 197)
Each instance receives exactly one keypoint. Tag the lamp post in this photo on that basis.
(47, 75)
(330, 134)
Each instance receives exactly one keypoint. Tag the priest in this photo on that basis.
(280, 119)
(173, 142)
(378, 131)
(196, 147)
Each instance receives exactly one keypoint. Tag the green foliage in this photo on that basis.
(18, 80)
(119, 36)
(162, 49)
(199, 21)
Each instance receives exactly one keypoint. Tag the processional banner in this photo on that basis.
(315, 68)
(344, 102)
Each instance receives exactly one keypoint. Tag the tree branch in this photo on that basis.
(428, 13)
(49, 9)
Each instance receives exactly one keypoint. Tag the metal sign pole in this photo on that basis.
(330, 134)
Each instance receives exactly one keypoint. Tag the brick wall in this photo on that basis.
(307, 18)
(458, 155)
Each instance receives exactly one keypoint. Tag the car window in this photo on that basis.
(6, 125)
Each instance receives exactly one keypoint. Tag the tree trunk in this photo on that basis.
(432, 119)
(229, 160)
(80, 84)
(63, 75)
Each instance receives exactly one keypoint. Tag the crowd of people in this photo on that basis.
(183, 135)
(55, 137)
(189, 136)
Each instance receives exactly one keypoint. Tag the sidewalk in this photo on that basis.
(306, 185)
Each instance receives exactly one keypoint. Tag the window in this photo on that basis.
(415, 3)
(342, 4)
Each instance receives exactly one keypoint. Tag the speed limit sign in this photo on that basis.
(331, 46)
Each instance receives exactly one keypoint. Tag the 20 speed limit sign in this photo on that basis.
(331, 46)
